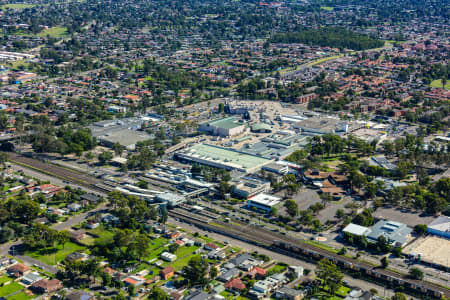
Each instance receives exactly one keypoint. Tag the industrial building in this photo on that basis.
(276, 169)
(224, 158)
(355, 229)
(440, 227)
(125, 132)
(246, 187)
(223, 127)
(263, 202)
(396, 233)
(276, 146)
(324, 125)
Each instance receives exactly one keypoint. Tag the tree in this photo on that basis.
(163, 218)
(196, 270)
(221, 107)
(399, 296)
(291, 207)
(383, 244)
(397, 251)
(420, 229)
(370, 189)
(104, 157)
(3, 121)
(416, 273)
(62, 237)
(213, 273)
(141, 245)
(131, 290)
(158, 294)
(330, 274)
(6, 234)
(173, 247)
(384, 262)
(3, 158)
(106, 279)
(357, 179)
(118, 149)
(340, 213)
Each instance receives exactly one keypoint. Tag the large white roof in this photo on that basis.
(356, 229)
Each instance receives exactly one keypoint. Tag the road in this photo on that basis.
(282, 258)
(329, 238)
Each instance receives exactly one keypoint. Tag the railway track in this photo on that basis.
(246, 232)
(79, 178)
(299, 249)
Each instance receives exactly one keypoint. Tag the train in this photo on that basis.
(378, 274)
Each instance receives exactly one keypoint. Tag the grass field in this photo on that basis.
(4, 279)
(322, 60)
(320, 245)
(179, 264)
(57, 31)
(16, 6)
(329, 8)
(53, 258)
(438, 84)
(277, 269)
(21, 296)
(9, 289)
(183, 251)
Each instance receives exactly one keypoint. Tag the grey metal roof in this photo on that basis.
(395, 232)
(441, 223)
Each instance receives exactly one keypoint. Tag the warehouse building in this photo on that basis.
(440, 227)
(223, 127)
(124, 131)
(263, 202)
(395, 232)
(324, 125)
(246, 187)
(356, 230)
(223, 158)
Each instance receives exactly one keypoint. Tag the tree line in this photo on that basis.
(329, 36)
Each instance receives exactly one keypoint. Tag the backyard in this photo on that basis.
(9, 289)
(49, 256)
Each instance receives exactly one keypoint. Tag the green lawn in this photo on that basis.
(343, 291)
(329, 8)
(49, 257)
(324, 59)
(277, 269)
(4, 279)
(16, 6)
(9, 289)
(57, 31)
(20, 296)
(102, 232)
(179, 264)
(183, 251)
(157, 243)
(321, 246)
(438, 84)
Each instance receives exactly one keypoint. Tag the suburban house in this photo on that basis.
(18, 270)
(166, 273)
(47, 286)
